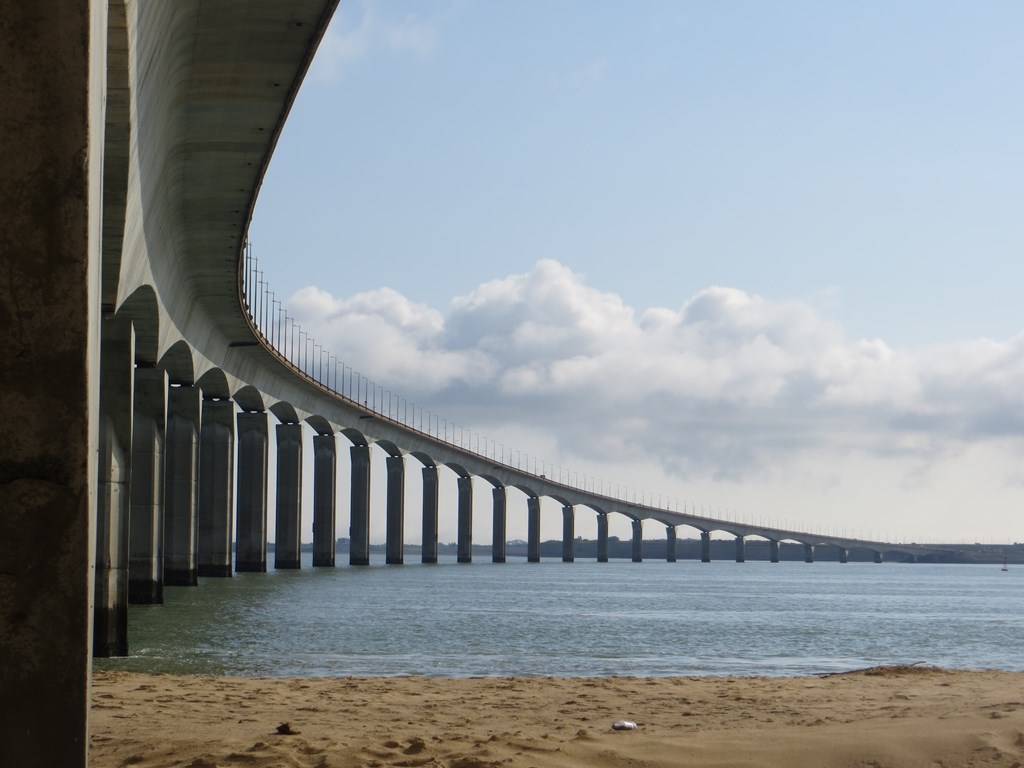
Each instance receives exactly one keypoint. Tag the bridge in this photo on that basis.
(141, 370)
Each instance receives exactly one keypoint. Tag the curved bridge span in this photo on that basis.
(132, 332)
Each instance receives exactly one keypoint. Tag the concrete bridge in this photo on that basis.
(138, 376)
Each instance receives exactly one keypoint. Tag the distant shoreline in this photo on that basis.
(721, 549)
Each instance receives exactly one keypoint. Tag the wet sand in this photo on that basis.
(888, 716)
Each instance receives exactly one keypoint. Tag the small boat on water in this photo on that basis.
(1005, 566)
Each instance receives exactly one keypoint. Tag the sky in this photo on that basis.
(761, 258)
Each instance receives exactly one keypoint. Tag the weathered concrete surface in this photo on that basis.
(251, 513)
(145, 559)
(53, 61)
(465, 519)
(359, 506)
(568, 534)
(499, 523)
(325, 481)
(430, 494)
(395, 510)
(110, 606)
(287, 546)
(181, 486)
(216, 487)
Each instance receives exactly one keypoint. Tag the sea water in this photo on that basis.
(583, 619)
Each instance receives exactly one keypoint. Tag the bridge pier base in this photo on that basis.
(878, 557)
(287, 548)
(465, 547)
(808, 553)
(359, 506)
(670, 543)
(602, 537)
(773, 551)
(568, 534)
(181, 491)
(429, 546)
(110, 606)
(741, 550)
(395, 541)
(216, 487)
(532, 529)
(638, 541)
(325, 480)
(498, 529)
(705, 546)
(145, 559)
(844, 555)
(251, 504)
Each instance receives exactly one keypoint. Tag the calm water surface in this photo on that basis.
(584, 619)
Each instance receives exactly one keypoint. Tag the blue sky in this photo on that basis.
(764, 256)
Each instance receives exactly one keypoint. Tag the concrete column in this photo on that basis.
(498, 528)
(878, 557)
(51, 155)
(602, 538)
(181, 486)
(568, 535)
(844, 555)
(808, 553)
(251, 509)
(359, 506)
(773, 551)
(670, 543)
(287, 543)
(145, 530)
(532, 529)
(705, 546)
(638, 541)
(325, 487)
(429, 514)
(395, 510)
(465, 519)
(216, 487)
(741, 550)
(110, 607)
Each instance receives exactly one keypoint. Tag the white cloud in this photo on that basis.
(729, 385)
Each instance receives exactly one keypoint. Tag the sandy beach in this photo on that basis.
(888, 716)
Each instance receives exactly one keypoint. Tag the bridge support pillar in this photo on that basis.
(359, 506)
(325, 494)
(741, 550)
(602, 537)
(465, 546)
(532, 529)
(51, 199)
(808, 553)
(844, 555)
(216, 487)
(773, 551)
(110, 606)
(181, 489)
(670, 544)
(498, 529)
(251, 504)
(878, 557)
(568, 534)
(394, 548)
(705, 546)
(145, 558)
(287, 547)
(638, 541)
(429, 514)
